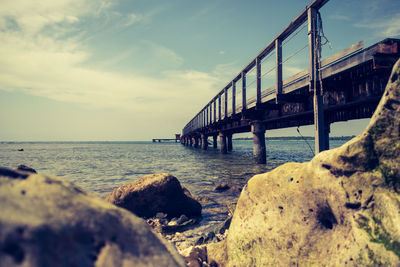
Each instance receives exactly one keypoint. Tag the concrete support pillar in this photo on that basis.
(204, 142)
(229, 140)
(190, 141)
(196, 141)
(215, 141)
(259, 150)
(222, 143)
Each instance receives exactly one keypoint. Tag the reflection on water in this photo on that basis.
(101, 167)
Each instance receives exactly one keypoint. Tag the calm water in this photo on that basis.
(102, 167)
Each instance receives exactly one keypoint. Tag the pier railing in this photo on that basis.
(227, 103)
(345, 86)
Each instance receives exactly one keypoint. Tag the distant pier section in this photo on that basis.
(176, 139)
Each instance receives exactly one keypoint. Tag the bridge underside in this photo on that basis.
(351, 89)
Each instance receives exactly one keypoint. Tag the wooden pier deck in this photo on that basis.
(345, 86)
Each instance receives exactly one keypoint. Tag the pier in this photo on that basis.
(159, 140)
(345, 86)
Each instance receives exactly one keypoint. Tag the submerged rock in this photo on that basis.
(156, 193)
(342, 207)
(222, 187)
(25, 169)
(46, 221)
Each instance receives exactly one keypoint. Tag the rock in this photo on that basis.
(235, 190)
(195, 256)
(200, 241)
(206, 238)
(182, 219)
(224, 226)
(47, 221)
(342, 207)
(155, 193)
(174, 227)
(222, 187)
(25, 169)
(217, 254)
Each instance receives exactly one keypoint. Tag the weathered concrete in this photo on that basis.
(215, 144)
(229, 141)
(196, 141)
(204, 142)
(259, 149)
(222, 143)
(190, 141)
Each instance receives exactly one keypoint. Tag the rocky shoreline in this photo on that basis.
(341, 208)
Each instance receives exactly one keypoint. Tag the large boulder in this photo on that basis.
(342, 207)
(155, 193)
(46, 221)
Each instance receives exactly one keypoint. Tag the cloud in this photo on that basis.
(42, 54)
(132, 18)
(57, 72)
(32, 17)
(387, 27)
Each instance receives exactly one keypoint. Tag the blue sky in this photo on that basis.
(136, 70)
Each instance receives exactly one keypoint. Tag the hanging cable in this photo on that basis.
(321, 40)
(312, 151)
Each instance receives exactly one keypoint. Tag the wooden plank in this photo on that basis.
(268, 94)
(278, 62)
(343, 53)
(211, 111)
(295, 77)
(348, 63)
(233, 97)
(251, 102)
(203, 119)
(225, 103)
(244, 99)
(207, 115)
(215, 110)
(258, 80)
(219, 107)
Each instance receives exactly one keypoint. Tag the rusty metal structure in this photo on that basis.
(345, 86)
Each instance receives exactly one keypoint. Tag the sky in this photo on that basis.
(119, 70)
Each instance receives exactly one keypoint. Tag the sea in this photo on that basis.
(101, 167)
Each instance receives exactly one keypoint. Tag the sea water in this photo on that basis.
(100, 167)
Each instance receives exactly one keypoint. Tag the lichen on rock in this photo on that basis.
(342, 207)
